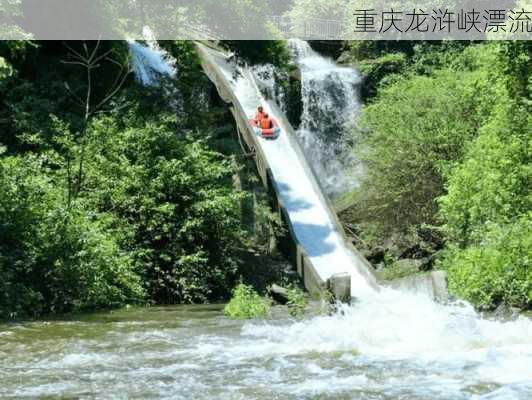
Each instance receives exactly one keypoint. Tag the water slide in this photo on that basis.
(310, 216)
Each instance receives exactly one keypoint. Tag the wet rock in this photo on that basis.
(409, 265)
(278, 293)
(506, 312)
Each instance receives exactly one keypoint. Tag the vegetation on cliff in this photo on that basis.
(446, 150)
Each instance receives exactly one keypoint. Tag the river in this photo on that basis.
(410, 348)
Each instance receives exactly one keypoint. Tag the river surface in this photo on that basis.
(383, 351)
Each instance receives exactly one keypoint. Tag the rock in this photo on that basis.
(375, 255)
(409, 264)
(505, 312)
(345, 58)
(279, 294)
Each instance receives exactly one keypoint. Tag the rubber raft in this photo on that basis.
(271, 133)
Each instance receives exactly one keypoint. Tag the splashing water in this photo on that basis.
(330, 106)
(150, 62)
(393, 346)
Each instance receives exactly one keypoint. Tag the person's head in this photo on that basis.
(260, 108)
(266, 115)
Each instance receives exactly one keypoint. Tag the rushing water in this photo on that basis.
(396, 346)
(331, 102)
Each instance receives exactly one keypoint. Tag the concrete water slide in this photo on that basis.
(321, 252)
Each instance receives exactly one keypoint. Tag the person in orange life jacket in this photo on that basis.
(259, 115)
(267, 123)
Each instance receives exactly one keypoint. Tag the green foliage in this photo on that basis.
(297, 300)
(416, 128)
(447, 147)
(53, 259)
(381, 61)
(10, 13)
(158, 220)
(376, 70)
(491, 186)
(5, 70)
(303, 10)
(487, 206)
(246, 303)
(496, 270)
(177, 200)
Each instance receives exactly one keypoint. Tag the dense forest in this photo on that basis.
(114, 193)
(447, 156)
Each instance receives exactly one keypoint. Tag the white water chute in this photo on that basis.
(311, 219)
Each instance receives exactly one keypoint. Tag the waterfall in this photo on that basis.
(330, 107)
(150, 62)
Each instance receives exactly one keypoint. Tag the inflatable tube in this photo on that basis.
(272, 133)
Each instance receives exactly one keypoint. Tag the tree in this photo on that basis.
(90, 61)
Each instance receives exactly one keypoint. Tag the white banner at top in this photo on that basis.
(266, 19)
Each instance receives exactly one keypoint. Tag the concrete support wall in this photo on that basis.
(432, 284)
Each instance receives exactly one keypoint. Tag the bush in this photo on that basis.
(53, 259)
(497, 270)
(487, 214)
(376, 72)
(176, 199)
(491, 186)
(416, 129)
(261, 51)
(246, 303)
(297, 300)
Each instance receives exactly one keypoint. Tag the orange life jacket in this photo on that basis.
(259, 116)
(266, 123)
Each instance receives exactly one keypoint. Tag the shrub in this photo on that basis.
(177, 200)
(297, 300)
(497, 270)
(246, 303)
(261, 51)
(416, 128)
(53, 259)
(487, 215)
(377, 71)
(491, 186)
